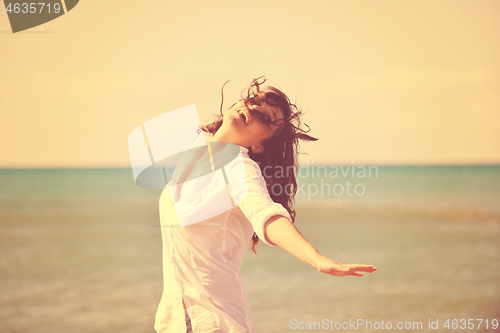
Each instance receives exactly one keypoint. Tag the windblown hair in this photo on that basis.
(281, 150)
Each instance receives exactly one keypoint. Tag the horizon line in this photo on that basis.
(315, 165)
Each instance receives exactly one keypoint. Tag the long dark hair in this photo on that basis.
(281, 150)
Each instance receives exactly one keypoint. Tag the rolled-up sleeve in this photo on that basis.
(249, 191)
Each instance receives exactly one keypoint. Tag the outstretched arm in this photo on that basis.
(283, 233)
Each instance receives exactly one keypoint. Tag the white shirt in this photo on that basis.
(202, 260)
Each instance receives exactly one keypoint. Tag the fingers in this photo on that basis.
(363, 268)
(338, 269)
(355, 269)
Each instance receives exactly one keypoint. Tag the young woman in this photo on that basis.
(224, 199)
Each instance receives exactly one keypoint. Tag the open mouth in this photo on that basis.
(243, 117)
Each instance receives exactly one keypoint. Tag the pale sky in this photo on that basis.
(383, 82)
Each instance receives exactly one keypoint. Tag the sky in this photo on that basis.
(385, 82)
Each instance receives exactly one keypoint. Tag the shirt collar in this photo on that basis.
(244, 151)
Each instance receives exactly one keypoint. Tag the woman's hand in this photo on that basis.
(329, 266)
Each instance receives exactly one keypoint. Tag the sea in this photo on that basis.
(80, 251)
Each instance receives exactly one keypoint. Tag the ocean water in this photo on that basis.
(80, 251)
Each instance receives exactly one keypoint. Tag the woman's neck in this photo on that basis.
(221, 136)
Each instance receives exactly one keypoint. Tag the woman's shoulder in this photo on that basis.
(243, 163)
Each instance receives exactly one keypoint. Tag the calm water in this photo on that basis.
(80, 250)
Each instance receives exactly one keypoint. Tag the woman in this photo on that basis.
(222, 199)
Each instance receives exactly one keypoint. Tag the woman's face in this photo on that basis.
(249, 125)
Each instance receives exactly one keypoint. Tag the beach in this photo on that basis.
(80, 251)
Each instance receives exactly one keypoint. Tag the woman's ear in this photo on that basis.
(257, 149)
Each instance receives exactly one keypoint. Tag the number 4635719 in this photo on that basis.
(470, 324)
(31, 7)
